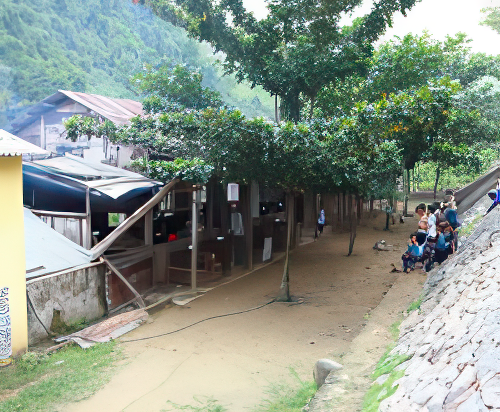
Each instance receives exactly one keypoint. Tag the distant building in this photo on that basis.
(43, 125)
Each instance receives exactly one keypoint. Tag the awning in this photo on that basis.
(11, 145)
(56, 189)
(82, 169)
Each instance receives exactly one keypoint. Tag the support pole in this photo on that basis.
(122, 278)
(88, 223)
(194, 239)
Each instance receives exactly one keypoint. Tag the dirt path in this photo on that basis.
(234, 359)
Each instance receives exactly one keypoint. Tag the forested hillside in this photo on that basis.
(95, 46)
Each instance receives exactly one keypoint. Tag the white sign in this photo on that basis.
(268, 244)
(233, 192)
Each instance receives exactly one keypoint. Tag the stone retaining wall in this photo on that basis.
(454, 340)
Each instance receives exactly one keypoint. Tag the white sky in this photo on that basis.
(438, 17)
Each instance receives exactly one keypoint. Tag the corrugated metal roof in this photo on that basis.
(11, 145)
(47, 251)
(119, 111)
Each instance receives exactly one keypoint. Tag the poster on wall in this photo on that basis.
(268, 243)
(5, 328)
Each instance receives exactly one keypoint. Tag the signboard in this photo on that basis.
(268, 244)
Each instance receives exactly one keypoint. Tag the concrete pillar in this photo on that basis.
(13, 312)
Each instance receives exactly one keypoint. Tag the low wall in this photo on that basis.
(66, 297)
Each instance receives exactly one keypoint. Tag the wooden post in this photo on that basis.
(88, 223)
(284, 294)
(148, 228)
(194, 238)
(246, 201)
(122, 278)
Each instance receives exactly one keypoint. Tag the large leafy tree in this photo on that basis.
(406, 64)
(168, 88)
(297, 49)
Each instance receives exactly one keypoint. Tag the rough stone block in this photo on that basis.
(322, 369)
(490, 392)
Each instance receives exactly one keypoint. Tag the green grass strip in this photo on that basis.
(70, 375)
(288, 398)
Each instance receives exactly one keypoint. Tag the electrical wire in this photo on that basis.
(36, 314)
(198, 322)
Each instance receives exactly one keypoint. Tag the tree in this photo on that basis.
(297, 49)
(170, 87)
(492, 18)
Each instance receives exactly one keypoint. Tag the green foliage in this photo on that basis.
(407, 64)
(385, 366)
(322, 155)
(377, 393)
(297, 49)
(415, 305)
(468, 229)
(78, 127)
(30, 360)
(195, 171)
(96, 47)
(83, 46)
(388, 362)
(168, 86)
(288, 398)
(42, 383)
(492, 18)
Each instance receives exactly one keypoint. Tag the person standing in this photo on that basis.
(495, 196)
(321, 221)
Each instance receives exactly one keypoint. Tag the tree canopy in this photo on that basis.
(297, 49)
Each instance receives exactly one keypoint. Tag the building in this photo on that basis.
(43, 125)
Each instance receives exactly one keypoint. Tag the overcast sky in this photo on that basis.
(438, 17)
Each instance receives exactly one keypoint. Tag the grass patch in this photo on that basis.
(377, 393)
(415, 305)
(288, 398)
(394, 329)
(467, 230)
(201, 405)
(38, 382)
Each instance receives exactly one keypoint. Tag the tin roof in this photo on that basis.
(119, 111)
(11, 145)
(47, 251)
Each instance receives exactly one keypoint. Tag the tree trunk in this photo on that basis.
(418, 178)
(352, 225)
(284, 293)
(276, 109)
(290, 106)
(438, 172)
(311, 110)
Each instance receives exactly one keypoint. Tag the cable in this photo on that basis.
(200, 321)
(36, 314)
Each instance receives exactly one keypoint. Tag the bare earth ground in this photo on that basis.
(234, 359)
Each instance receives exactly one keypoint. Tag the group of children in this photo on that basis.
(436, 237)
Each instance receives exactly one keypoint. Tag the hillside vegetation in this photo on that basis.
(95, 46)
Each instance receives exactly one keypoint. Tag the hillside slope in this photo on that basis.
(94, 46)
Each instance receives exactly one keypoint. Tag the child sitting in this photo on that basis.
(442, 248)
(412, 254)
